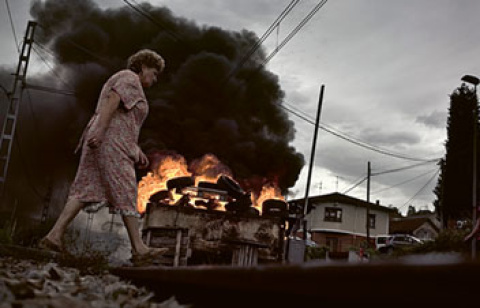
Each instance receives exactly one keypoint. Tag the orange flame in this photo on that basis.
(269, 191)
(169, 167)
(207, 168)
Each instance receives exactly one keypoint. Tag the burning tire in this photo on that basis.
(160, 196)
(242, 204)
(274, 208)
(209, 185)
(253, 211)
(179, 183)
(230, 186)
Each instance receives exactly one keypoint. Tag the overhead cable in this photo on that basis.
(82, 48)
(259, 42)
(404, 182)
(49, 90)
(156, 22)
(421, 189)
(406, 167)
(351, 140)
(17, 46)
(50, 67)
(295, 31)
(355, 185)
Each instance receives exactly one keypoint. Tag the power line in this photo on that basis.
(406, 168)
(347, 137)
(288, 38)
(17, 46)
(352, 140)
(80, 47)
(259, 42)
(287, 10)
(421, 189)
(355, 185)
(51, 68)
(404, 182)
(159, 24)
(45, 49)
(50, 90)
(296, 30)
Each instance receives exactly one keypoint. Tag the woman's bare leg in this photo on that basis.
(138, 246)
(475, 230)
(69, 212)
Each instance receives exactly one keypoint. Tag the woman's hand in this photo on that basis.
(142, 160)
(95, 139)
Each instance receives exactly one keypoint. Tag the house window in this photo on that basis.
(371, 221)
(333, 214)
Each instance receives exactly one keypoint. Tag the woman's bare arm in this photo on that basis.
(104, 117)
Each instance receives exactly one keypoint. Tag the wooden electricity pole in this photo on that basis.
(310, 167)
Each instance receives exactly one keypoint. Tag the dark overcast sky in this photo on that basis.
(387, 66)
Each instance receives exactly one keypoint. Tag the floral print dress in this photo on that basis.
(106, 174)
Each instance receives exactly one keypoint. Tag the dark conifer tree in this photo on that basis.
(454, 188)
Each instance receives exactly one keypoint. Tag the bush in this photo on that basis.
(312, 253)
(448, 240)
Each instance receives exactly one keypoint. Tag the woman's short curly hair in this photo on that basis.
(146, 57)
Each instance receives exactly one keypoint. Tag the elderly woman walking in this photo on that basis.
(110, 151)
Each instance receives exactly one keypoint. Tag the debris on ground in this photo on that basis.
(30, 283)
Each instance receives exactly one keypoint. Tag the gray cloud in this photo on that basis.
(391, 139)
(437, 119)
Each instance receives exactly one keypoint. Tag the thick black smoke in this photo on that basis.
(196, 108)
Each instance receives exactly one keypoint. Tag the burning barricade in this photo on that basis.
(205, 217)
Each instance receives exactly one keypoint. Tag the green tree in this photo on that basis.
(454, 186)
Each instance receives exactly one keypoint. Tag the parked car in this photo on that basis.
(381, 241)
(396, 241)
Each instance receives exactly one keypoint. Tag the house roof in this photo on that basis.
(408, 225)
(341, 198)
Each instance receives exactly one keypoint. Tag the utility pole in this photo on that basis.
(312, 156)
(11, 116)
(369, 175)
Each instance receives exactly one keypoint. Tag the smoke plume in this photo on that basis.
(198, 107)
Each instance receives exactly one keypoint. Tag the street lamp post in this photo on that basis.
(475, 81)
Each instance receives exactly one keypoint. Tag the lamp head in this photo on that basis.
(471, 79)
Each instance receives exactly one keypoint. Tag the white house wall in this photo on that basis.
(425, 232)
(353, 220)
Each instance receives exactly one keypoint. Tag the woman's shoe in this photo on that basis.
(148, 258)
(47, 244)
